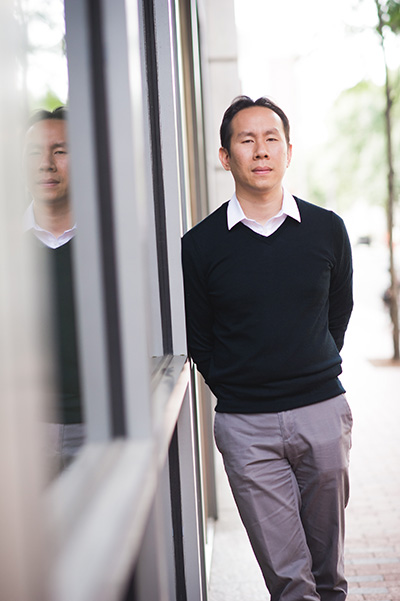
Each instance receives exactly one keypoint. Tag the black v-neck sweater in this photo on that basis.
(266, 316)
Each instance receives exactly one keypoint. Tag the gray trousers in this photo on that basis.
(288, 473)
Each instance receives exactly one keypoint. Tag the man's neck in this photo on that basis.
(261, 208)
(55, 220)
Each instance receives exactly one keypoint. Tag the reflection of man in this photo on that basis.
(268, 286)
(49, 217)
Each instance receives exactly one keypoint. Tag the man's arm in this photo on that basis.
(199, 314)
(341, 287)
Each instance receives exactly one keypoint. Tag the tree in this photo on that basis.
(351, 159)
(389, 20)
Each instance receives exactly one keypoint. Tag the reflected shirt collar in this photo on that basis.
(29, 223)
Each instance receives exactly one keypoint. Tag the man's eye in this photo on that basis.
(247, 141)
(271, 139)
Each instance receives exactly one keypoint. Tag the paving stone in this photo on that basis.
(372, 578)
(370, 590)
(372, 560)
(360, 551)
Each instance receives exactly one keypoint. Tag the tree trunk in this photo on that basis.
(394, 290)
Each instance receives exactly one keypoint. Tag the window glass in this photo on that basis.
(48, 220)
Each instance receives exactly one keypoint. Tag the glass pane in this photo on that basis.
(48, 219)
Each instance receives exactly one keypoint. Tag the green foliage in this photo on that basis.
(352, 162)
(391, 15)
(44, 66)
(49, 101)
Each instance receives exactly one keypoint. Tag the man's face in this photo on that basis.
(259, 153)
(46, 155)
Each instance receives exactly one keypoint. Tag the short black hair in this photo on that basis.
(60, 113)
(245, 102)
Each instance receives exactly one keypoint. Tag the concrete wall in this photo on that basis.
(221, 85)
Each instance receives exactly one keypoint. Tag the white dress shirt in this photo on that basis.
(289, 209)
(44, 236)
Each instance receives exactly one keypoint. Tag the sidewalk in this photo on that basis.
(373, 514)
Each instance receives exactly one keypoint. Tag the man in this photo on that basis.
(268, 287)
(49, 218)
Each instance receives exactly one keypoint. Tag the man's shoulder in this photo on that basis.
(214, 223)
(308, 210)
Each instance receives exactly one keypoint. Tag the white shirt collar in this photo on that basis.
(289, 208)
(29, 223)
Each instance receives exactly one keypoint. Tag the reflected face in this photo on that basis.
(259, 154)
(47, 161)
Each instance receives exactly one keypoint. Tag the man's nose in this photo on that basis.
(47, 162)
(261, 149)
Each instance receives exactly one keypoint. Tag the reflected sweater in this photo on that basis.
(266, 316)
(58, 260)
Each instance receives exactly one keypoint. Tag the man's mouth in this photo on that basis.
(262, 170)
(47, 182)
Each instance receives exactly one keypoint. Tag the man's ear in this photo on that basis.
(289, 155)
(224, 158)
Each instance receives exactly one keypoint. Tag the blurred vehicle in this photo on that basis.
(364, 240)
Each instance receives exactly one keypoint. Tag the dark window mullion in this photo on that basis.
(177, 522)
(106, 217)
(158, 178)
